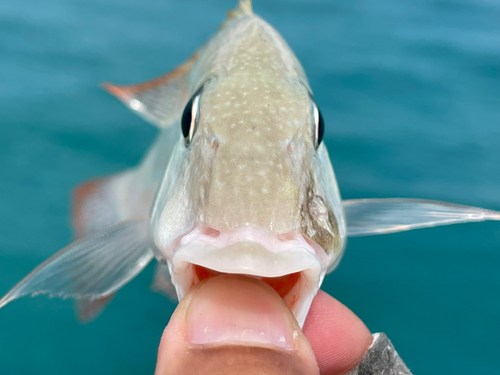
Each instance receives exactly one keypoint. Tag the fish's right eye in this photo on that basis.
(318, 124)
(190, 115)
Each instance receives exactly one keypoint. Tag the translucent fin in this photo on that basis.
(100, 203)
(89, 309)
(381, 216)
(162, 283)
(244, 8)
(161, 100)
(93, 267)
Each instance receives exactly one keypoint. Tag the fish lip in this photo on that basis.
(251, 259)
(255, 263)
(246, 255)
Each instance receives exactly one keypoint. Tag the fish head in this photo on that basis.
(250, 188)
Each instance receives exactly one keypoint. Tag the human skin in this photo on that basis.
(234, 324)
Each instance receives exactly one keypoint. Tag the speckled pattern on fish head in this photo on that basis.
(237, 181)
(252, 162)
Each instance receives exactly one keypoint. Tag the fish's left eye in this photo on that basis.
(190, 115)
(318, 125)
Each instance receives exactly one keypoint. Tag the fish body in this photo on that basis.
(238, 181)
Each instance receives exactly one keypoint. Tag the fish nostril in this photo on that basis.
(290, 236)
(215, 144)
(209, 231)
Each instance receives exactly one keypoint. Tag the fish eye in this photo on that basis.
(190, 116)
(318, 124)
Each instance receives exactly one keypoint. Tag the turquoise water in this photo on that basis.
(410, 92)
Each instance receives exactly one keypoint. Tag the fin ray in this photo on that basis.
(160, 100)
(244, 8)
(93, 267)
(367, 217)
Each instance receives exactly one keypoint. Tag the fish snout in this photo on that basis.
(290, 263)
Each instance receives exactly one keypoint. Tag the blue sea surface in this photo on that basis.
(410, 93)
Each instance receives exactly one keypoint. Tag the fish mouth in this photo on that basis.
(291, 264)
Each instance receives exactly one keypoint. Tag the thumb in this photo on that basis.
(234, 324)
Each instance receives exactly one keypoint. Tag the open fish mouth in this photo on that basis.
(292, 264)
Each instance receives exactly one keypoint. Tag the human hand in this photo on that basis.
(238, 325)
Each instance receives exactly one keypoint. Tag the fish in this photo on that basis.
(238, 181)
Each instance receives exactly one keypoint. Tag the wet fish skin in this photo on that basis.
(238, 181)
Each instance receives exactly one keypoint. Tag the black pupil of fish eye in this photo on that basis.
(187, 117)
(320, 131)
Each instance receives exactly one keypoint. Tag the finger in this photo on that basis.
(233, 324)
(338, 337)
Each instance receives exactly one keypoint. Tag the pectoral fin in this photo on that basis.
(159, 101)
(366, 217)
(93, 267)
(162, 282)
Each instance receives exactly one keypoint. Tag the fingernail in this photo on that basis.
(238, 309)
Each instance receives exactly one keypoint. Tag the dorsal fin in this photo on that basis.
(161, 100)
(244, 8)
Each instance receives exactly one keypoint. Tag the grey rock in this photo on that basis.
(381, 359)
